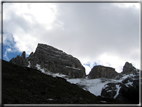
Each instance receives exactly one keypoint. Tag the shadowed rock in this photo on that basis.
(53, 60)
(20, 60)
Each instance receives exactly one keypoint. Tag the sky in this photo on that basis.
(105, 34)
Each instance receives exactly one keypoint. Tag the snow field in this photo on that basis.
(93, 85)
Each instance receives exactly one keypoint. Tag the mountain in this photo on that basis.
(51, 59)
(125, 88)
(107, 83)
(103, 82)
(24, 85)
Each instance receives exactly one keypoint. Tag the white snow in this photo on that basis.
(129, 83)
(109, 90)
(93, 85)
(56, 74)
(39, 68)
(118, 88)
(29, 64)
(49, 73)
(105, 86)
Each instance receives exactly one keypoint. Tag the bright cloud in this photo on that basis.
(101, 33)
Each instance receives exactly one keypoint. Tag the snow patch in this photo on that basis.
(118, 88)
(105, 86)
(109, 90)
(92, 85)
(39, 68)
(129, 83)
(56, 74)
(50, 73)
(29, 64)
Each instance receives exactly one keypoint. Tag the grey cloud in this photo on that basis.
(98, 28)
(87, 30)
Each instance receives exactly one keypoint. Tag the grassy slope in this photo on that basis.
(22, 85)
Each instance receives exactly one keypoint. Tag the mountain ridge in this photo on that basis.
(53, 60)
(103, 82)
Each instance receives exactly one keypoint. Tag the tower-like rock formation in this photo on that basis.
(128, 68)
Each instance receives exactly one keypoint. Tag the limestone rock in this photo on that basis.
(53, 60)
(128, 68)
(102, 72)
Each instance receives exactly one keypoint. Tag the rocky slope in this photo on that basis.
(126, 88)
(121, 86)
(53, 60)
(102, 72)
(128, 68)
(23, 85)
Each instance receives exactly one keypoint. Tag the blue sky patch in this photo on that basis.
(8, 47)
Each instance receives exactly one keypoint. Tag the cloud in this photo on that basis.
(6, 52)
(105, 33)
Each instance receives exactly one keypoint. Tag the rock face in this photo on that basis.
(102, 72)
(111, 90)
(127, 89)
(53, 60)
(128, 68)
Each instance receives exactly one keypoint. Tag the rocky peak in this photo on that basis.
(128, 68)
(53, 60)
(31, 54)
(102, 72)
(23, 55)
(20, 60)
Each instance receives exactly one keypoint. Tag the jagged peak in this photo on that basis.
(23, 55)
(128, 68)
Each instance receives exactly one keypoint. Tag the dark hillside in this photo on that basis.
(22, 85)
